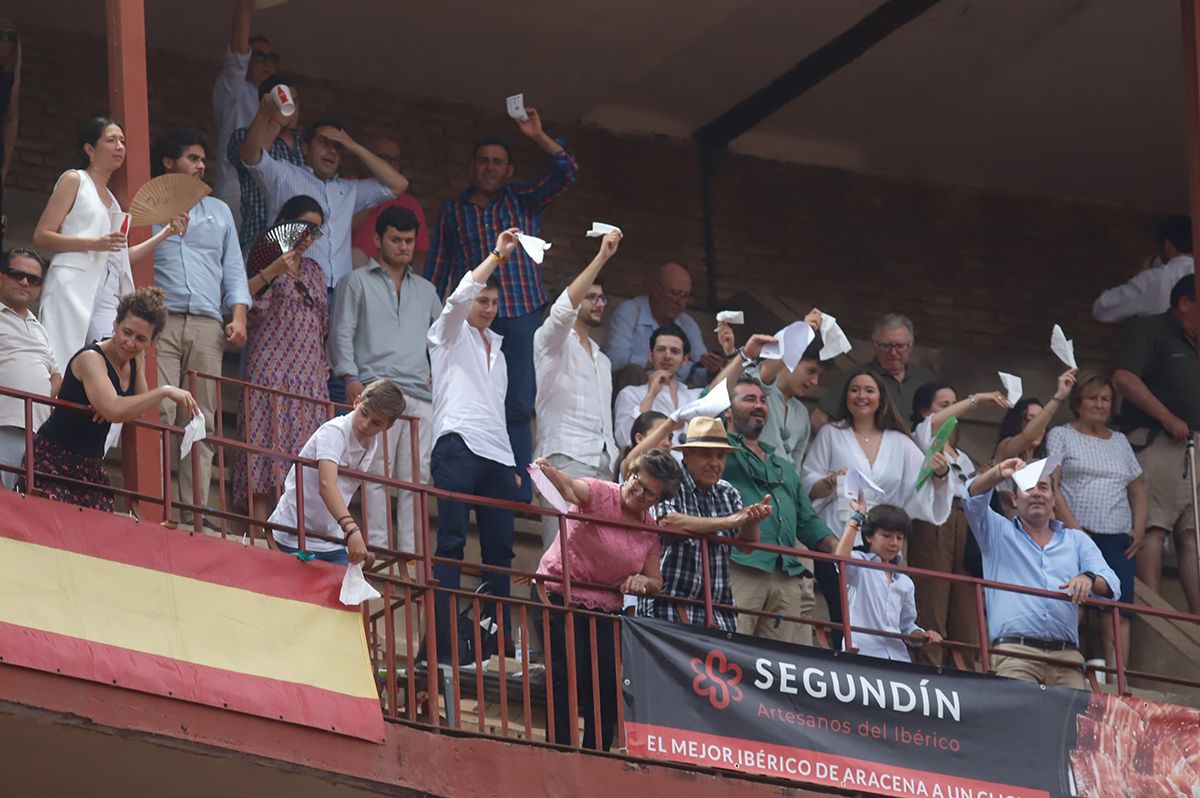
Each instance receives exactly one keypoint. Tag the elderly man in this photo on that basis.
(1148, 292)
(1035, 550)
(706, 505)
(893, 339)
(466, 228)
(669, 350)
(633, 322)
(203, 279)
(574, 381)
(26, 358)
(1156, 372)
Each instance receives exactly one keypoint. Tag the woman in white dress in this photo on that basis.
(90, 264)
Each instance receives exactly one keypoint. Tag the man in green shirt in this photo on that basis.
(762, 580)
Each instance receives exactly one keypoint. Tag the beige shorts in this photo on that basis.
(1170, 491)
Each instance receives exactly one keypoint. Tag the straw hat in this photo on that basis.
(706, 433)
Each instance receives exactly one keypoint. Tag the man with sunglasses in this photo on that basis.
(26, 359)
(574, 382)
(203, 277)
(248, 62)
(893, 339)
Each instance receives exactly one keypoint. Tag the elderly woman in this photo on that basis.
(624, 560)
(111, 377)
(1102, 488)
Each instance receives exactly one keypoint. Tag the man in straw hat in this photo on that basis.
(705, 506)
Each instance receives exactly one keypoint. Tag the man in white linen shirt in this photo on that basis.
(26, 358)
(574, 382)
(471, 450)
(248, 62)
(1148, 292)
(669, 350)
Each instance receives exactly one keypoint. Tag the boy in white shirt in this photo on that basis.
(345, 442)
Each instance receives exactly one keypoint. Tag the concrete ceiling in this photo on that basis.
(1078, 98)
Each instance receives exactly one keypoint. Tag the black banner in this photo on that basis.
(859, 723)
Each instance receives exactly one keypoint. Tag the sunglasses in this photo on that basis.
(261, 55)
(34, 280)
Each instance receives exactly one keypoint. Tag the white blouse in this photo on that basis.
(895, 472)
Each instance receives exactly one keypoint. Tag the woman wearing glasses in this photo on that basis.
(10, 109)
(285, 334)
(624, 560)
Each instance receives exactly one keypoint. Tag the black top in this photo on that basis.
(1156, 349)
(73, 429)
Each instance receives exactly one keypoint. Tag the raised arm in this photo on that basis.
(263, 130)
(650, 440)
(239, 31)
(1036, 428)
(575, 491)
(975, 400)
(458, 302)
(563, 170)
(380, 169)
(578, 288)
(733, 370)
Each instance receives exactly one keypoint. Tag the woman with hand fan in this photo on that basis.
(84, 227)
(285, 350)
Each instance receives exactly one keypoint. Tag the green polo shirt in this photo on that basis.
(901, 392)
(793, 515)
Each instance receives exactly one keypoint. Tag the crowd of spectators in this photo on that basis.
(343, 312)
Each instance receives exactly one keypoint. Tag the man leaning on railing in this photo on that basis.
(1035, 550)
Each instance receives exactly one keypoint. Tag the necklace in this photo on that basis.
(865, 438)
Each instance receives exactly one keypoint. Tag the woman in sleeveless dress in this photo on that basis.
(89, 269)
(111, 378)
(10, 93)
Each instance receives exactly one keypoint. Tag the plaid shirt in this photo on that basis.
(681, 557)
(466, 233)
(254, 204)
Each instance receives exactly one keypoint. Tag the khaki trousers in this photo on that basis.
(777, 593)
(1068, 674)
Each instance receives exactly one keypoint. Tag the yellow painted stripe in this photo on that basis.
(183, 618)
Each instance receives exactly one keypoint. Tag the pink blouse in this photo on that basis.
(601, 554)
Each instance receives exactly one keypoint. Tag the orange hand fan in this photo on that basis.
(163, 198)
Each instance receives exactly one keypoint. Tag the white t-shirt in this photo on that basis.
(1095, 478)
(334, 441)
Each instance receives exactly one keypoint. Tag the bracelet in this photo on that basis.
(942, 475)
(1056, 399)
(857, 518)
(499, 258)
(747, 361)
(344, 517)
(974, 402)
(347, 535)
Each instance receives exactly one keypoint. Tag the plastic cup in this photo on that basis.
(281, 95)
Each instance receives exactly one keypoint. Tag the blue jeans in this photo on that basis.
(337, 556)
(455, 467)
(522, 388)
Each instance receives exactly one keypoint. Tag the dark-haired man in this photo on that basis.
(381, 315)
(466, 228)
(664, 392)
(203, 277)
(1149, 291)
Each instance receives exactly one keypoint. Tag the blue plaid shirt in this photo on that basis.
(681, 558)
(254, 204)
(466, 233)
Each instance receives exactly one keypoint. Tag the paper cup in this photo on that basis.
(121, 222)
(281, 95)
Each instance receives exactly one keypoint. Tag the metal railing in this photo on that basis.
(412, 691)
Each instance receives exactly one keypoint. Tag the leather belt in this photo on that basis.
(1036, 642)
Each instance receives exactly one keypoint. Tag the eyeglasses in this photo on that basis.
(263, 55)
(640, 487)
(904, 347)
(596, 299)
(678, 293)
(34, 280)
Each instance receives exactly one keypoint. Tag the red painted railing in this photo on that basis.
(412, 692)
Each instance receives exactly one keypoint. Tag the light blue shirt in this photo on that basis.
(627, 339)
(1010, 555)
(202, 271)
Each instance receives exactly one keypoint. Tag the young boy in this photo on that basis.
(349, 442)
(878, 599)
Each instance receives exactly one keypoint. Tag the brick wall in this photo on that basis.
(972, 267)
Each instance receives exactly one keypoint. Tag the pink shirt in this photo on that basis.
(604, 555)
(363, 236)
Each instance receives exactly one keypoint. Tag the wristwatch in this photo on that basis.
(747, 361)
(1089, 575)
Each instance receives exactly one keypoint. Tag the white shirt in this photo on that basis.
(469, 382)
(962, 467)
(334, 441)
(875, 602)
(1146, 294)
(629, 402)
(574, 390)
(26, 363)
(895, 471)
(235, 102)
(1096, 473)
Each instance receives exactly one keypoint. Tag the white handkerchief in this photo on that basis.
(516, 107)
(731, 316)
(1028, 476)
(711, 405)
(857, 482)
(192, 433)
(547, 489)
(114, 436)
(833, 341)
(600, 229)
(1060, 346)
(534, 247)
(1013, 385)
(355, 587)
(790, 344)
